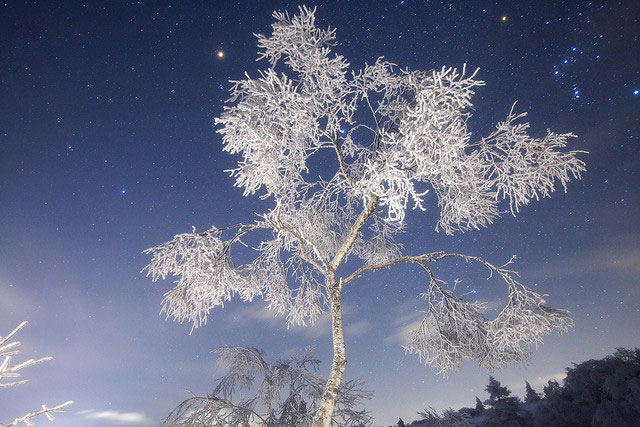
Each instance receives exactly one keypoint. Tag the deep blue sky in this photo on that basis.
(107, 147)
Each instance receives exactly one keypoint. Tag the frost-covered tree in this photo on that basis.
(9, 370)
(254, 392)
(399, 138)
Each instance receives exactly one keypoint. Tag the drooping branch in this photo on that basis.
(454, 330)
(208, 276)
(284, 392)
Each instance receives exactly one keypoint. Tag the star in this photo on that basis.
(504, 18)
(220, 54)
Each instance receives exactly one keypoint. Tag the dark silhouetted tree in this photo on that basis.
(504, 410)
(531, 395)
(552, 389)
(479, 406)
(496, 392)
(596, 392)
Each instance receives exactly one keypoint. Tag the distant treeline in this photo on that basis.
(603, 392)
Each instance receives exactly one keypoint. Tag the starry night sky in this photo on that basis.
(107, 147)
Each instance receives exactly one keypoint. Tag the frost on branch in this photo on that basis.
(7, 370)
(281, 393)
(207, 277)
(455, 330)
(525, 167)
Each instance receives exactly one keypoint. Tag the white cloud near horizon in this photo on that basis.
(128, 418)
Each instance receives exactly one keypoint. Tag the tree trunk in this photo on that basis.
(325, 412)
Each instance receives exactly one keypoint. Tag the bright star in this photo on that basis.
(220, 54)
(123, 191)
(636, 92)
(504, 18)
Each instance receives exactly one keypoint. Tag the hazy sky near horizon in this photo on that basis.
(108, 147)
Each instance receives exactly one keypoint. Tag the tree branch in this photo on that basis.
(343, 166)
(46, 411)
(433, 256)
(355, 229)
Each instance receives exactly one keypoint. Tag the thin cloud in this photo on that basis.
(358, 328)
(404, 326)
(321, 327)
(129, 418)
(602, 260)
(256, 313)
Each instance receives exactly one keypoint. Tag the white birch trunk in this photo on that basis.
(325, 412)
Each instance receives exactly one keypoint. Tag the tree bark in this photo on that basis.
(325, 412)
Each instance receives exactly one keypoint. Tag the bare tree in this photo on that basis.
(287, 394)
(394, 135)
(7, 370)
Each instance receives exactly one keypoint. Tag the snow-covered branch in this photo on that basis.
(454, 330)
(7, 370)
